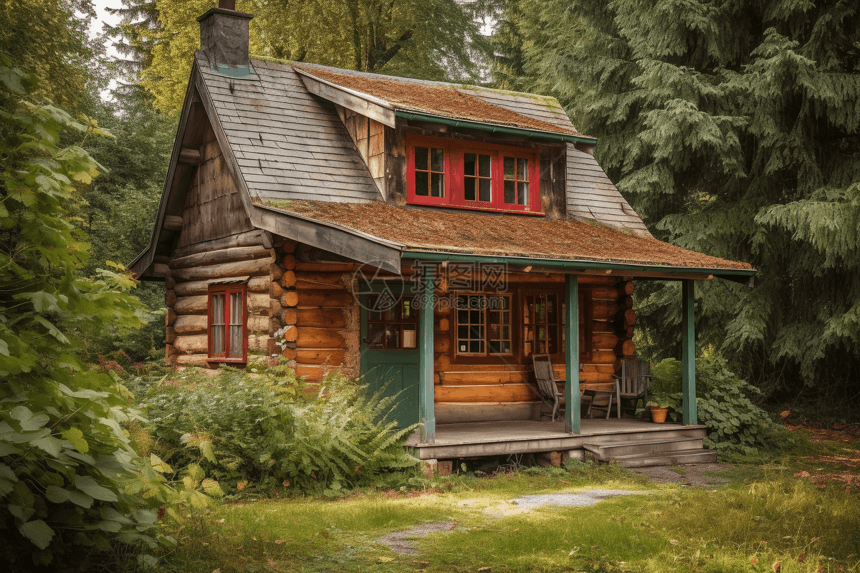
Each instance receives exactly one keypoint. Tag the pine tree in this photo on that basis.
(507, 65)
(134, 37)
(732, 126)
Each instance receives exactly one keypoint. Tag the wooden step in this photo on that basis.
(672, 458)
(607, 452)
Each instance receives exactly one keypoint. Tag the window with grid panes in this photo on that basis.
(392, 324)
(472, 175)
(429, 172)
(543, 322)
(516, 177)
(483, 325)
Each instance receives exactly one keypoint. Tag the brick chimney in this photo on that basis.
(224, 37)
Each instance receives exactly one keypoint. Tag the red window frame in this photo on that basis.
(226, 291)
(454, 161)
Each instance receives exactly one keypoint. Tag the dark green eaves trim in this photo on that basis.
(563, 264)
(493, 128)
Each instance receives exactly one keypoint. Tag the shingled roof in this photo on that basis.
(298, 172)
(288, 144)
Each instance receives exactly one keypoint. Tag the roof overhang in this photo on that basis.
(495, 128)
(358, 102)
(590, 267)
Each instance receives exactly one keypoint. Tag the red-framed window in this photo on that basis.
(471, 175)
(228, 323)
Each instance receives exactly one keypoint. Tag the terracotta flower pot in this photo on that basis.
(658, 415)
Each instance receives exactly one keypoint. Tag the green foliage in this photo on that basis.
(508, 60)
(71, 482)
(429, 39)
(733, 128)
(120, 210)
(47, 38)
(261, 427)
(737, 428)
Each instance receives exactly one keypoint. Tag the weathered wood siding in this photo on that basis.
(369, 138)
(213, 208)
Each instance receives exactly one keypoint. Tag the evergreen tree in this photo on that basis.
(134, 38)
(732, 126)
(508, 63)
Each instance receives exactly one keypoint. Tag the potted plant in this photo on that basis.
(659, 409)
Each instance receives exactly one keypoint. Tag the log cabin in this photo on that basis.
(426, 235)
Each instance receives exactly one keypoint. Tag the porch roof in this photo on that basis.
(420, 232)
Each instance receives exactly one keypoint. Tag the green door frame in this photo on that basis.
(571, 358)
(393, 356)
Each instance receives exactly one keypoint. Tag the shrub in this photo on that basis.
(262, 426)
(71, 481)
(737, 428)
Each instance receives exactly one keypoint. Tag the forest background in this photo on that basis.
(732, 127)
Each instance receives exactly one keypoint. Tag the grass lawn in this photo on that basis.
(763, 515)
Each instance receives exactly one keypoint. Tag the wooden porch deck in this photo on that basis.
(477, 439)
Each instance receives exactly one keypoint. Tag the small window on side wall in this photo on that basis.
(228, 323)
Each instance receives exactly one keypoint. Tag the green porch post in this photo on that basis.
(688, 352)
(571, 336)
(426, 414)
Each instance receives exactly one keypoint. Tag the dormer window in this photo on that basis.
(467, 175)
(478, 177)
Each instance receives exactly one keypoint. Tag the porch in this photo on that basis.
(499, 438)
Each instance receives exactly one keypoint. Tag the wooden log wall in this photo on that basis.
(316, 318)
(249, 254)
(486, 392)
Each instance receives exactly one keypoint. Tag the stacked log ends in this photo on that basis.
(625, 323)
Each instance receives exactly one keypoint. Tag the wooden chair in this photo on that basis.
(549, 393)
(547, 384)
(632, 384)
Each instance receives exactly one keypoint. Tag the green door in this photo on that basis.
(389, 347)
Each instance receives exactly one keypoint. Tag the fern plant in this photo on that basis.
(263, 427)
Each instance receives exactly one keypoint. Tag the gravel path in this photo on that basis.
(582, 499)
(399, 542)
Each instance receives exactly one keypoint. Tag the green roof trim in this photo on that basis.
(736, 275)
(493, 128)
